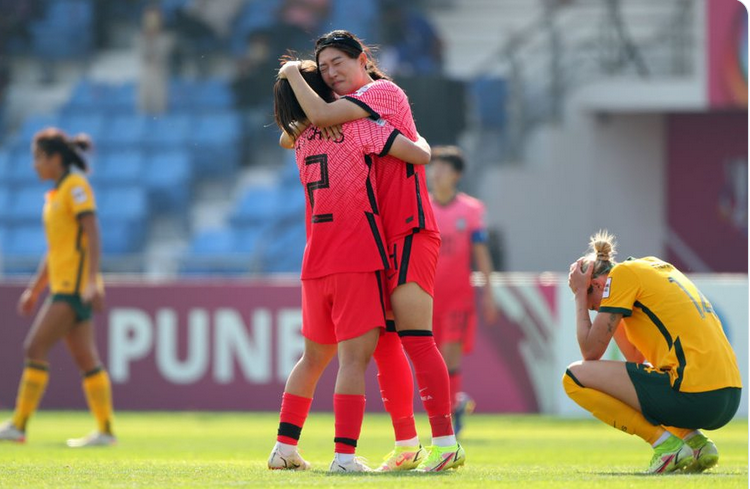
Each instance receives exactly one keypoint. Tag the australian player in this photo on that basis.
(71, 271)
(681, 373)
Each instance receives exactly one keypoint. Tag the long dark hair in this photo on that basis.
(286, 107)
(352, 46)
(53, 141)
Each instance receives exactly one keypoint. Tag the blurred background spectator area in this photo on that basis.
(542, 95)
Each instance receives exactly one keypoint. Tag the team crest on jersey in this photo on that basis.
(79, 195)
(460, 224)
(607, 286)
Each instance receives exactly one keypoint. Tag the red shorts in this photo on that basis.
(455, 326)
(342, 306)
(413, 258)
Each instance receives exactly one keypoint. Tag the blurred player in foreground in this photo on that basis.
(461, 219)
(343, 288)
(681, 373)
(71, 269)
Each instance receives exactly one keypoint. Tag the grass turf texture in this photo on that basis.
(230, 450)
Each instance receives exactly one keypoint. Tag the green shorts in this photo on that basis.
(82, 311)
(662, 405)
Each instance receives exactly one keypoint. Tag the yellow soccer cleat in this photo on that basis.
(403, 458)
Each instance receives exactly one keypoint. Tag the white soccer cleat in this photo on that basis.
(9, 432)
(95, 439)
(283, 461)
(355, 465)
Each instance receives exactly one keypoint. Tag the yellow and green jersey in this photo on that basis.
(67, 244)
(672, 324)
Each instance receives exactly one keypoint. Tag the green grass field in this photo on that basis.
(230, 450)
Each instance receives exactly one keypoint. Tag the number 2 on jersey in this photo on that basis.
(321, 160)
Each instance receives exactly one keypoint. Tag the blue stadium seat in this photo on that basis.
(125, 130)
(259, 14)
(285, 249)
(290, 208)
(4, 203)
(34, 124)
(251, 239)
(83, 122)
(71, 20)
(213, 242)
(126, 167)
(489, 96)
(170, 130)
(21, 168)
(123, 214)
(217, 144)
(4, 165)
(26, 204)
(256, 206)
(168, 178)
(358, 16)
(26, 241)
(214, 94)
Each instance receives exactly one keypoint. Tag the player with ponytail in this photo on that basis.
(71, 271)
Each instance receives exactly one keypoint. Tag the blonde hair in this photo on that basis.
(601, 253)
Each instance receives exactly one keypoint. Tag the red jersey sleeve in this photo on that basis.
(375, 136)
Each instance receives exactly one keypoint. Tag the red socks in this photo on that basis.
(455, 378)
(432, 378)
(348, 412)
(294, 410)
(396, 385)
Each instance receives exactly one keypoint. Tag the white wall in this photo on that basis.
(596, 171)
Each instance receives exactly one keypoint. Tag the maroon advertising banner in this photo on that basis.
(707, 185)
(230, 346)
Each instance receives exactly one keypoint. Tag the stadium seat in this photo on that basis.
(123, 168)
(91, 124)
(256, 206)
(21, 168)
(489, 97)
(34, 124)
(168, 177)
(125, 130)
(123, 214)
(26, 242)
(169, 130)
(256, 15)
(26, 204)
(284, 250)
(217, 144)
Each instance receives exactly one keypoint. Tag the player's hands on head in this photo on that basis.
(287, 67)
(27, 303)
(577, 278)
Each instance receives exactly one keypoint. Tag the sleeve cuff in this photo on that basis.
(373, 115)
(389, 143)
(617, 310)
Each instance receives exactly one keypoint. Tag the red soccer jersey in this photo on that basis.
(402, 187)
(461, 224)
(344, 229)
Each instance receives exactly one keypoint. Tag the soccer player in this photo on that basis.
(342, 280)
(464, 236)
(71, 270)
(681, 373)
(413, 245)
